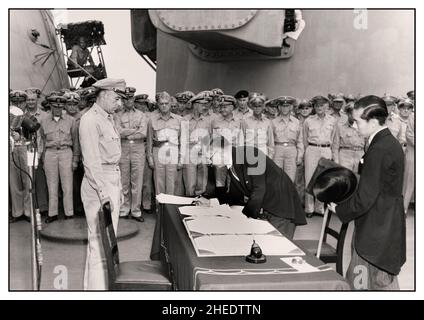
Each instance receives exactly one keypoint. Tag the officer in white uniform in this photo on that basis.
(101, 151)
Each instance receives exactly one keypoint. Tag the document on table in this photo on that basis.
(171, 199)
(239, 245)
(216, 210)
(215, 225)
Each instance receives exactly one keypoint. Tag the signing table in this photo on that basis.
(177, 241)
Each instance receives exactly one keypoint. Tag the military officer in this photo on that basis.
(319, 132)
(337, 108)
(33, 110)
(229, 126)
(409, 175)
(271, 110)
(163, 152)
(349, 143)
(88, 98)
(59, 134)
(142, 103)
(183, 105)
(242, 107)
(257, 128)
(393, 122)
(411, 95)
(101, 151)
(405, 106)
(132, 127)
(349, 98)
(288, 137)
(19, 182)
(217, 92)
(196, 131)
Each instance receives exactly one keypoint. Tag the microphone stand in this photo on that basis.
(36, 254)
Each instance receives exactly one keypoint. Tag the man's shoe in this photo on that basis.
(69, 217)
(124, 217)
(139, 219)
(14, 219)
(50, 219)
(148, 211)
(309, 214)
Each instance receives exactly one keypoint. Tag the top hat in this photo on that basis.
(332, 182)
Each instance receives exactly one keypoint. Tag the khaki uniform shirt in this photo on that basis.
(258, 132)
(131, 124)
(289, 132)
(100, 145)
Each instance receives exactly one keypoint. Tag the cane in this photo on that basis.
(321, 237)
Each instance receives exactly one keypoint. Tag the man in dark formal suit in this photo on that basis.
(257, 183)
(379, 243)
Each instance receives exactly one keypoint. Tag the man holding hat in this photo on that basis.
(288, 137)
(101, 152)
(196, 130)
(228, 126)
(242, 110)
(257, 128)
(319, 131)
(132, 127)
(379, 241)
(19, 182)
(59, 134)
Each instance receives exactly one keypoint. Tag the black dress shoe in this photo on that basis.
(309, 215)
(27, 219)
(148, 211)
(125, 217)
(50, 219)
(69, 217)
(139, 219)
(15, 219)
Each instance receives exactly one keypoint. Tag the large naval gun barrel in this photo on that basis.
(279, 52)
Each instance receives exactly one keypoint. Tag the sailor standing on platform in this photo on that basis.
(101, 151)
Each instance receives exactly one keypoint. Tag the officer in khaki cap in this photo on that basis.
(141, 103)
(132, 127)
(257, 128)
(288, 137)
(229, 127)
(101, 152)
(59, 135)
(195, 134)
(183, 98)
(319, 131)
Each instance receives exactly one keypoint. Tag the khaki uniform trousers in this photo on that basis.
(58, 163)
(19, 182)
(165, 159)
(147, 187)
(285, 158)
(133, 160)
(312, 156)
(350, 158)
(95, 274)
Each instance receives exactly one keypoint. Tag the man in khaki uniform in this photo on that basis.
(228, 126)
(101, 151)
(163, 152)
(19, 182)
(132, 127)
(409, 175)
(59, 135)
(141, 103)
(257, 128)
(405, 107)
(33, 110)
(393, 122)
(288, 137)
(319, 132)
(242, 110)
(196, 132)
(348, 143)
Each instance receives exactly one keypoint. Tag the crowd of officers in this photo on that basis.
(163, 141)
